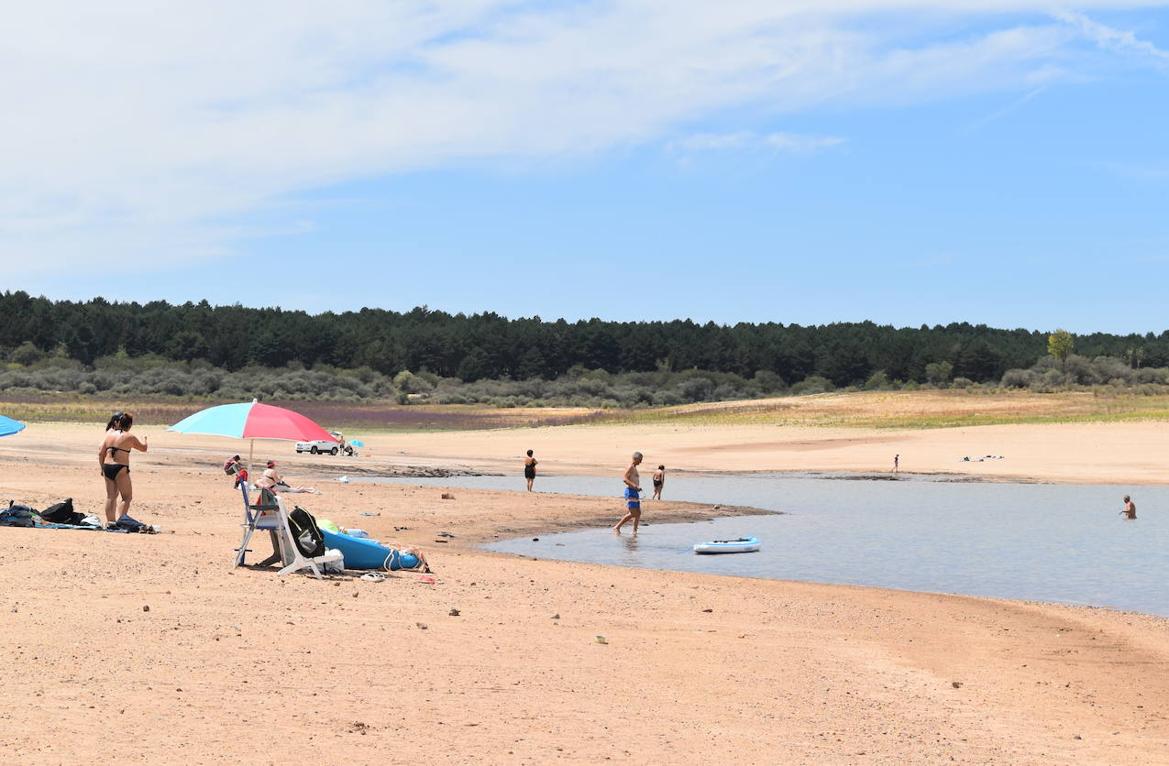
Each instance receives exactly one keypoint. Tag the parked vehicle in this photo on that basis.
(332, 448)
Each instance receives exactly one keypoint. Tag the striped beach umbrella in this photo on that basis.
(252, 420)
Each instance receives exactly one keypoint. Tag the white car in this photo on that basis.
(321, 445)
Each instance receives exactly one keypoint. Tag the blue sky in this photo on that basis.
(902, 162)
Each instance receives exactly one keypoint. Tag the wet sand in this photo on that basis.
(241, 666)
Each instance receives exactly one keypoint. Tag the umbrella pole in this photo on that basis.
(251, 453)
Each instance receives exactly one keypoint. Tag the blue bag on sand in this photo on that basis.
(17, 515)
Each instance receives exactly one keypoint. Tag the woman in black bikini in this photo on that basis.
(530, 469)
(114, 457)
(659, 479)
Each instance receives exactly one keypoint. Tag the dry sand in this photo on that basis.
(241, 666)
(1083, 453)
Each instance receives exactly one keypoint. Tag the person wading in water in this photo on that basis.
(632, 495)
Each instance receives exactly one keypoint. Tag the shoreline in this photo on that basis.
(681, 512)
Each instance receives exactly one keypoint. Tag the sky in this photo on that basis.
(811, 161)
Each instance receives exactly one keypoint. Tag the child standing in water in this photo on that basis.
(632, 495)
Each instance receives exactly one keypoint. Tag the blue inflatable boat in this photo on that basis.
(363, 553)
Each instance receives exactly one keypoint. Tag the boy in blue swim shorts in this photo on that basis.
(632, 495)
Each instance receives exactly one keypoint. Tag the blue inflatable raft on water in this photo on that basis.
(363, 553)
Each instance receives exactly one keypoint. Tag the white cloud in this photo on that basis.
(747, 140)
(1113, 39)
(142, 130)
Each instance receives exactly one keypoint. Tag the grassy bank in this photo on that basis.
(914, 409)
(372, 416)
(867, 409)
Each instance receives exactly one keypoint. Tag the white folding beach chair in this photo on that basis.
(270, 514)
(259, 516)
(294, 560)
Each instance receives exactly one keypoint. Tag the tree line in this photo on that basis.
(488, 346)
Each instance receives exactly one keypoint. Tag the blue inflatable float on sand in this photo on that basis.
(363, 553)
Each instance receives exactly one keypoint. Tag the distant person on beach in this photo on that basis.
(1130, 509)
(235, 467)
(632, 495)
(114, 458)
(530, 469)
(272, 481)
(659, 479)
(271, 478)
(897, 463)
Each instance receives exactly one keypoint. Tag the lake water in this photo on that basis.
(1022, 541)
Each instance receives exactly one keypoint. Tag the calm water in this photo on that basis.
(1023, 541)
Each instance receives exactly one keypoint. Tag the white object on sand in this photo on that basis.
(343, 479)
(741, 545)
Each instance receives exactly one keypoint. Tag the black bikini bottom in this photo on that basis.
(111, 470)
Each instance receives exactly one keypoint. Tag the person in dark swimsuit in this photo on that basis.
(530, 469)
(659, 479)
(114, 458)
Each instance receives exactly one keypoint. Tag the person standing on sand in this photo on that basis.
(659, 479)
(897, 463)
(530, 469)
(632, 495)
(1130, 509)
(116, 470)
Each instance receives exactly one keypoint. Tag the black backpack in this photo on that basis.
(18, 515)
(309, 540)
(62, 513)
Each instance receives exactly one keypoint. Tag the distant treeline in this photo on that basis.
(490, 347)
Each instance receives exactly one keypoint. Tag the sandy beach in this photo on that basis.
(1075, 453)
(152, 649)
